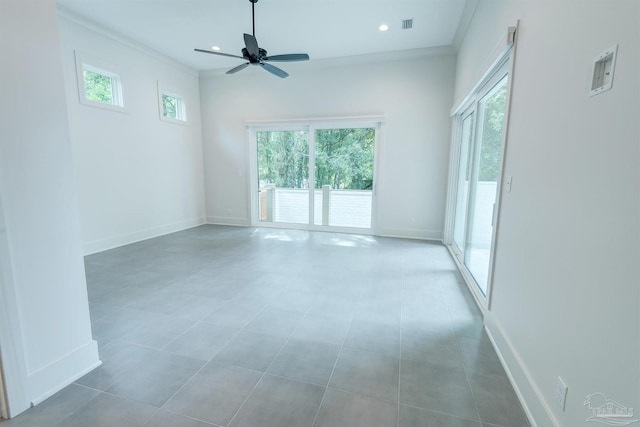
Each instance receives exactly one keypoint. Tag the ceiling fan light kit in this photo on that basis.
(255, 55)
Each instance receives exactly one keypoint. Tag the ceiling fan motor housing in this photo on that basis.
(262, 54)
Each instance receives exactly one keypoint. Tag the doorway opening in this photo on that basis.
(319, 177)
(476, 170)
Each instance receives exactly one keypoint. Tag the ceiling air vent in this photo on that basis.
(407, 24)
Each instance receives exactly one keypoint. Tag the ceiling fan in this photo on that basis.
(256, 55)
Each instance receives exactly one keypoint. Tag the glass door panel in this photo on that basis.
(464, 176)
(283, 176)
(487, 157)
(344, 163)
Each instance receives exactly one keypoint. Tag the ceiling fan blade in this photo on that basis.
(238, 68)
(275, 70)
(218, 53)
(289, 58)
(252, 45)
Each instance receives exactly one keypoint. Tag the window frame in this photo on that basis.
(503, 66)
(96, 65)
(182, 114)
(311, 125)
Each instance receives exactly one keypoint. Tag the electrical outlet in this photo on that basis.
(561, 393)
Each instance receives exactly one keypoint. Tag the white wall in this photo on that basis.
(138, 176)
(45, 330)
(566, 287)
(413, 91)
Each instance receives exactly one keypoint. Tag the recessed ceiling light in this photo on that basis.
(215, 47)
(383, 27)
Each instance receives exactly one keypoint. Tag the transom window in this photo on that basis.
(173, 107)
(98, 85)
(171, 104)
(101, 86)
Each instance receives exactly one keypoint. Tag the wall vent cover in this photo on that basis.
(407, 24)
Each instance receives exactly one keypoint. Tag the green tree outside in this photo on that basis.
(492, 127)
(344, 158)
(169, 106)
(97, 87)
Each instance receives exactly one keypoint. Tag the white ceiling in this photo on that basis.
(321, 28)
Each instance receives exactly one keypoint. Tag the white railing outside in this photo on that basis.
(340, 208)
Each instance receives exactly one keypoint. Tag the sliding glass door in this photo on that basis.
(344, 177)
(464, 177)
(283, 176)
(315, 177)
(480, 147)
(487, 158)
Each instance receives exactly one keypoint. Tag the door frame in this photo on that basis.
(311, 125)
(502, 66)
(13, 371)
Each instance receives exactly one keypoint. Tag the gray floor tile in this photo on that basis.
(280, 402)
(307, 361)
(214, 394)
(335, 305)
(155, 381)
(236, 313)
(151, 294)
(379, 313)
(167, 419)
(174, 302)
(374, 337)
(119, 359)
(367, 373)
(276, 321)
(109, 411)
(157, 330)
(342, 409)
(327, 328)
(479, 356)
(416, 417)
(211, 284)
(54, 409)
(252, 350)
(438, 388)
(431, 345)
(497, 401)
(414, 318)
(124, 321)
(202, 341)
(295, 300)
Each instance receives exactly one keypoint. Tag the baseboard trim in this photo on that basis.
(54, 377)
(533, 403)
(227, 220)
(410, 233)
(137, 236)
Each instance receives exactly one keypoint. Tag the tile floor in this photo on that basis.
(241, 327)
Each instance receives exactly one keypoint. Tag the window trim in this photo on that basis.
(310, 125)
(501, 67)
(96, 65)
(182, 106)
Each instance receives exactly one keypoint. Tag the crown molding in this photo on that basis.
(372, 58)
(65, 14)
